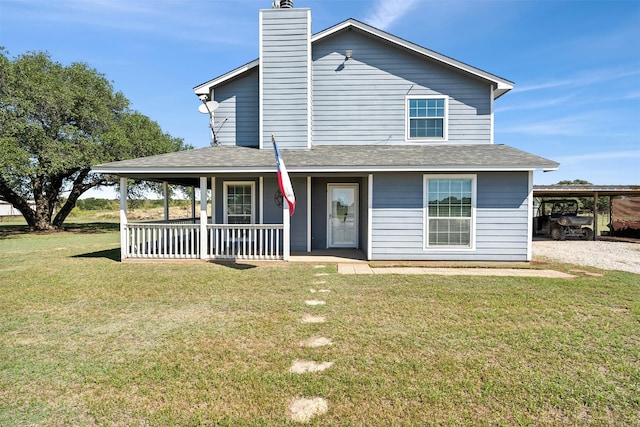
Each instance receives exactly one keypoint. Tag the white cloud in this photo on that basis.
(387, 12)
(580, 80)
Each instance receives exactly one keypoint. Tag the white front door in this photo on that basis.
(342, 206)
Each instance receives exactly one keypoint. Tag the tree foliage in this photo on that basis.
(56, 122)
(586, 203)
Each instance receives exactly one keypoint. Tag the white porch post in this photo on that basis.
(286, 231)
(261, 199)
(203, 217)
(369, 217)
(213, 200)
(165, 194)
(530, 218)
(123, 219)
(193, 202)
(308, 214)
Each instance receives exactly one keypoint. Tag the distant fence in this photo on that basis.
(7, 209)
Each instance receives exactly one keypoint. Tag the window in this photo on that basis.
(239, 202)
(427, 118)
(449, 211)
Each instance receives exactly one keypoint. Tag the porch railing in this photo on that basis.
(256, 241)
(173, 240)
(159, 240)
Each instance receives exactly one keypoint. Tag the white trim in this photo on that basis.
(309, 82)
(502, 85)
(213, 200)
(124, 244)
(308, 214)
(261, 199)
(425, 213)
(260, 85)
(530, 218)
(225, 193)
(140, 173)
(203, 217)
(491, 116)
(445, 119)
(370, 217)
(356, 201)
(205, 88)
(286, 231)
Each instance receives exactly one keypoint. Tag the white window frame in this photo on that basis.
(425, 210)
(445, 119)
(226, 194)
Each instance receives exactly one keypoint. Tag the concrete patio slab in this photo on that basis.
(348, 268)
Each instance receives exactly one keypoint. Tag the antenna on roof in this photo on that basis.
(208, 107)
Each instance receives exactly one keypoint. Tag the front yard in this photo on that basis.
(87, 340)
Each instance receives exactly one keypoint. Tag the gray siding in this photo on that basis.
(285, 77)
(362, 100)
(501, 219)
(239, 106)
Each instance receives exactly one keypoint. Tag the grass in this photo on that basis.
(88, 340)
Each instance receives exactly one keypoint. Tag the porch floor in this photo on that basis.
(330, 256)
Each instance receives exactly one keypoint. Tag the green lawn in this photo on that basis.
(88, 340)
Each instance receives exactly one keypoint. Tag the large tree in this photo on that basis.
(56, 122)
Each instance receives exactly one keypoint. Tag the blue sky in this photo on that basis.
(576, 64)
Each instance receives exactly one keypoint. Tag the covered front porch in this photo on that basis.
(223, 227)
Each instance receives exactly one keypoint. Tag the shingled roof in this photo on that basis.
(335, 158)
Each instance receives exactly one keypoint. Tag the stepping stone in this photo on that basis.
(315, 302)
(316, 342)
(319, 282)
(319, 266)
(321, 274)
(305, 366)
(308, 318)
(313, 291)
(323, 291)
(302, 410)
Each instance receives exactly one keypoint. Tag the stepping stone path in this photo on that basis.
(308, 318)
(304, 409)
(316, 342)
(304, 366)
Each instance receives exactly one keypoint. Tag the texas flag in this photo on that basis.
(283, 180)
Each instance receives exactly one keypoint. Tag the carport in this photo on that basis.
(594, 191)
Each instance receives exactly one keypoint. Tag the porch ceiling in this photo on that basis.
(187, 165)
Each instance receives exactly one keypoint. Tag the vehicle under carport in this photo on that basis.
(593, 191)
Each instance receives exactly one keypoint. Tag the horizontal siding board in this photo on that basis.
(285, 77)
(372, 86)
(501, 227)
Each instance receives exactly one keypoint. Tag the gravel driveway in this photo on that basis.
(599, 254)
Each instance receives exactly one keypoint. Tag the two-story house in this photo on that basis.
(389, 147)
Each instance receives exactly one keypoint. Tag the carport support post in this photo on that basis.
(595, 216)
(123, 219)
(203, 217)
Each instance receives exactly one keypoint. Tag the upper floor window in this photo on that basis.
(427, 118)
(239, 202)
